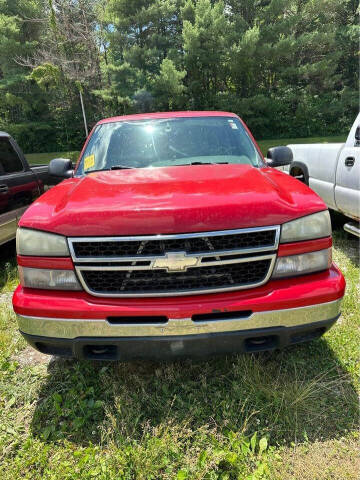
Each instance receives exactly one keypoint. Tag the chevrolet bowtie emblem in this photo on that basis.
(175, 262)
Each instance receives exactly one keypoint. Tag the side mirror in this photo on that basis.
(357, 136)
(61, 167)
(279, 156)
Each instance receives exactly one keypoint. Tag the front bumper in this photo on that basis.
(71, 328)
(277, 314)
(168, 347)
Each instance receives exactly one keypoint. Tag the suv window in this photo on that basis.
(9, 159)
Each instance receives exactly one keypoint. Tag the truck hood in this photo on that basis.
(175, 199)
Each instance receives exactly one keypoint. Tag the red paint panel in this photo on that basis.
(296, 248)
(166, 200)
(277, 294)
(60, 263)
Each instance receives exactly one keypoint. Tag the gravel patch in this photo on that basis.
(6, 298)
(30, 356)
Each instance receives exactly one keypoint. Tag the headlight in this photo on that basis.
(302, 264)
(37, 243)
(317, 225)
(48, 279)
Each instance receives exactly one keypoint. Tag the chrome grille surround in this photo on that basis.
(193, 260)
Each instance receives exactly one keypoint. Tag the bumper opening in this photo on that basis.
(259, 344)
(100, 352)
(137, 320)
(203, 317)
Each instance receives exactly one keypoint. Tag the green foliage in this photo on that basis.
(288, 67)
(47, 76)
(168, 86)
(205, 52)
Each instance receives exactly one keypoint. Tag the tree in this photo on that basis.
(144, 33)
(205, 40)
(21, 99)
(168, 86)
(70, 52)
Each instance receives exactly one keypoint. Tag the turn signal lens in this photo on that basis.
(48, 279)
(301, 264)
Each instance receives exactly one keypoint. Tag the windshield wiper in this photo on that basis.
(121, 167)
(114, 167)
(97, 170)
(200, 163)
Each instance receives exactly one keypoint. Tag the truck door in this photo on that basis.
(18, 187)
(347, 187)
(4, 192)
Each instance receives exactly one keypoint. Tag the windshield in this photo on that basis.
(168, 142)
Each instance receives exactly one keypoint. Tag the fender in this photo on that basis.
(304, 169)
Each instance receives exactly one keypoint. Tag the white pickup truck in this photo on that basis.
(332, 170)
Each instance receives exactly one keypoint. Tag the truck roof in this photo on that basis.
(148, 116)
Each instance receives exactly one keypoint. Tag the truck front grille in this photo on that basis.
(116, 248)
(158, 281)
(168, 265)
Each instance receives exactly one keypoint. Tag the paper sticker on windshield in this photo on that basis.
(89, 162)
(233, 124)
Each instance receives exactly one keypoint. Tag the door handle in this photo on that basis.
(4, 188)
(349, 161)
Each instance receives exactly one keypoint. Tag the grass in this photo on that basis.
(291, 414)
(266, 144)
(36, 158)
(8, 271)
(43, 158)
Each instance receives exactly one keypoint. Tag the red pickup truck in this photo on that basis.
(174, 236)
